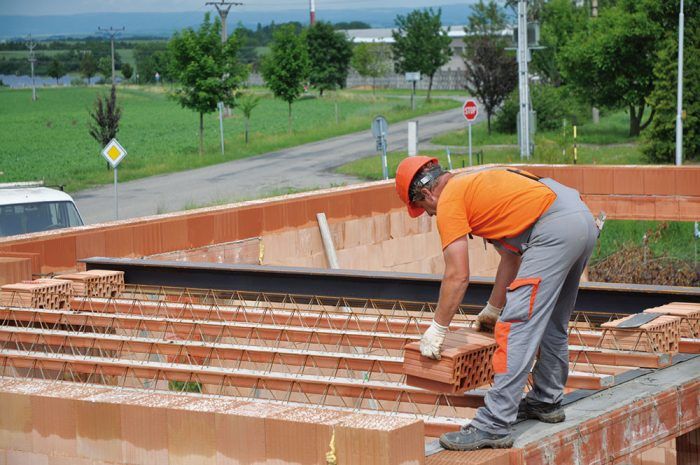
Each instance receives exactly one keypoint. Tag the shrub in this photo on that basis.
(552, 104)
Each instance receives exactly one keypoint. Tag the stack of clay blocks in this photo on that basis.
(96, 283)
(660, 335)
(689, 314)
(465, 363)
(40, 293)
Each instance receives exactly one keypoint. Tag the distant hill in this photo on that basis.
(164, 24)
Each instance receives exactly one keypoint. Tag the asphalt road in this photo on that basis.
(306, 166)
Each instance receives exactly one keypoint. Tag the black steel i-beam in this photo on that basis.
(595, 297)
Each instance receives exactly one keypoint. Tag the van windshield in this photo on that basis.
(26, 218)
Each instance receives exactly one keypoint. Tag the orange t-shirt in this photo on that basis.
(493, 204)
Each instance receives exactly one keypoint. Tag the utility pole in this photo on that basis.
(523, 81)
(112, 33)
(595, 113)
(32, 61)
(312, 12)
(223, 7)
(679, 103)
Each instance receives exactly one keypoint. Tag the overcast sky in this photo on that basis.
(68, 7)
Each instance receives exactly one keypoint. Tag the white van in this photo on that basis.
(27, 209)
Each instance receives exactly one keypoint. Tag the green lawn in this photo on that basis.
(673, 239)
(48, 139)
(370, 167)
(612, 129)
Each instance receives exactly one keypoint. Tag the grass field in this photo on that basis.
(612, 129)
(370, 167)
(49, 140)
(674, 239)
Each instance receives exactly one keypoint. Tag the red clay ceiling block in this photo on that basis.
(627, 180)
(274, 217)
(119, 241)
(59, 253)
(250, 222)
(90, 244)
(174, 234)
(317, 204)
(465, 363)
(99, 431)
(297, 216)
(54, 423)
(689, 208)
(14, 270)
(147, 239)
(644, 208)
(200, 230)
(666, 208)
(226, 225)
(339, 206)
(688, 181)
(659, 181)
(597, 180)
(191, 437)
(571, 176)
(15, 421)
(34, 257)
(144, 435)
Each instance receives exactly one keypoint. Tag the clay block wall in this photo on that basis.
(391, 241)
(66, 423)
(625, 192)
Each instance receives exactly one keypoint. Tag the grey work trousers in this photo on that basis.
(538, 307)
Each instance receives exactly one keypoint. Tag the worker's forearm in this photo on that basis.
(506, 273)
(452, 292)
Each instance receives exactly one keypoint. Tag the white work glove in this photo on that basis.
(487, 318)
(432, 340)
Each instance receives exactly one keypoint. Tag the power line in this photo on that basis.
(112, 33)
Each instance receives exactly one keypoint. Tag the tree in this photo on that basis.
(560, 20)
(611, 61)
(660, 139)
(127, 71)
(420, 43)
(371, 60)
(56, 70)
(104, 65)
(491, 73)
(88, 66)
(207, 71)
(105, 118)
(286, 68)
(247, 103)
(329, 56)
(486, 19)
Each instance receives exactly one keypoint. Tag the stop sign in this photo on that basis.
(470, 110)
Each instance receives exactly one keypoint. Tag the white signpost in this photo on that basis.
(114, 153)
(413, 78)
(380, 127)
(470, 112)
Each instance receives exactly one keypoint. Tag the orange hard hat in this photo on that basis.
(404, 175)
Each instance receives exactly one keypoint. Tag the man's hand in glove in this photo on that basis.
(487, 318)
(432, 340)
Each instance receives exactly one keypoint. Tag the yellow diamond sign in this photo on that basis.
(114, 153)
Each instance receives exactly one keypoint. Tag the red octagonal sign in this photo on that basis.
(470, 110)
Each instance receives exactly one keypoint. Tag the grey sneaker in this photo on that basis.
(542, 411)
(471, 438)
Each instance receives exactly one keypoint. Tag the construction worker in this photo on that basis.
(545, 235)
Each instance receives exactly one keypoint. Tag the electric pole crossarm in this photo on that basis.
(223, 7)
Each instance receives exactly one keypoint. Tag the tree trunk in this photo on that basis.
(635, 120)
(320, 92)
(289, 117)
(430, 87)
(201, 134)
(246, 130)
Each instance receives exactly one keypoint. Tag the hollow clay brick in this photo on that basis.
(464, 365)
(99, 431)
(191, 438)
(659, 335)
(54, 423)
(689, 314)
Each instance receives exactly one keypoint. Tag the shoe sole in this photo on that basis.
(505, 443)
(544, 417)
